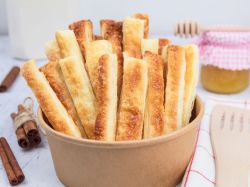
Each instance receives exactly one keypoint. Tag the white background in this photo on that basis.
(163, 13)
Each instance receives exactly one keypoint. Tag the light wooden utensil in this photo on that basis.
(192, 28)
(230, 135)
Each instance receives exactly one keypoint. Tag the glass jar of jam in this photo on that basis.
(225, 59)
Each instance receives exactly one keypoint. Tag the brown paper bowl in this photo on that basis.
(158, 162)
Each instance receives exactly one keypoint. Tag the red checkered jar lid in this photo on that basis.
(227, 50)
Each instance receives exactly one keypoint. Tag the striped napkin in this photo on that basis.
(201, 169)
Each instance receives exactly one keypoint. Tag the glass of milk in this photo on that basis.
(32, 23)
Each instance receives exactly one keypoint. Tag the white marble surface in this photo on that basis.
(37, 164)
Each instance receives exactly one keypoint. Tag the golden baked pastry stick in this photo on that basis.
(80, 89)
(154, 110)
(163, 51)
(144, 17)
(68, 45)
(48, 101)
(132, 35)
(53, 74)
(151, 45)
(52, 51)
(191, 80)
(112, 31)
(83, 30)
(94, 51)
(174, 96)
(163, 44)
(105, 125)
(132, 100)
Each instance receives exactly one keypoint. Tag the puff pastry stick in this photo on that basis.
(79, 86)
(144, 17)
(112, 31)
(191, 80)
(83, 30)
(163, 51)
(105, 125)
(175, 88)
(94, 51)
(163, 44)
(68, 45)
(53, 74)
(48, 101)
(154, 110)
(132, 100)
(151, 45)
(133, 30)
(52, 51)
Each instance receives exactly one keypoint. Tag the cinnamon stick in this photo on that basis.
(20, 134)
(36, 140)
(12, 160)
(7, 166)
(9, 79)
(30, 129)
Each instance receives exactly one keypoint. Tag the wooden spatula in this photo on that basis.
(230, 135)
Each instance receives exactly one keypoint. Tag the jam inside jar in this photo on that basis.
(224, 81)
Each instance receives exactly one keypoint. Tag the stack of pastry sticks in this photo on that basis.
(119, 85)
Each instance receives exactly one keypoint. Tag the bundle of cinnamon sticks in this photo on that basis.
(26, 129)
(10, 164)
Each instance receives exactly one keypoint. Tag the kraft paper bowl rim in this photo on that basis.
(124, 144)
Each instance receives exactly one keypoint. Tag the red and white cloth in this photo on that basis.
(201, 169)
(227, 50)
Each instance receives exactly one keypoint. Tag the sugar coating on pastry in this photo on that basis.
(94, 51)
(191, 81)
(48, 101)
(132, 100)
(175, 85)
(133, 30)
(80, 89)
(105, 125)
